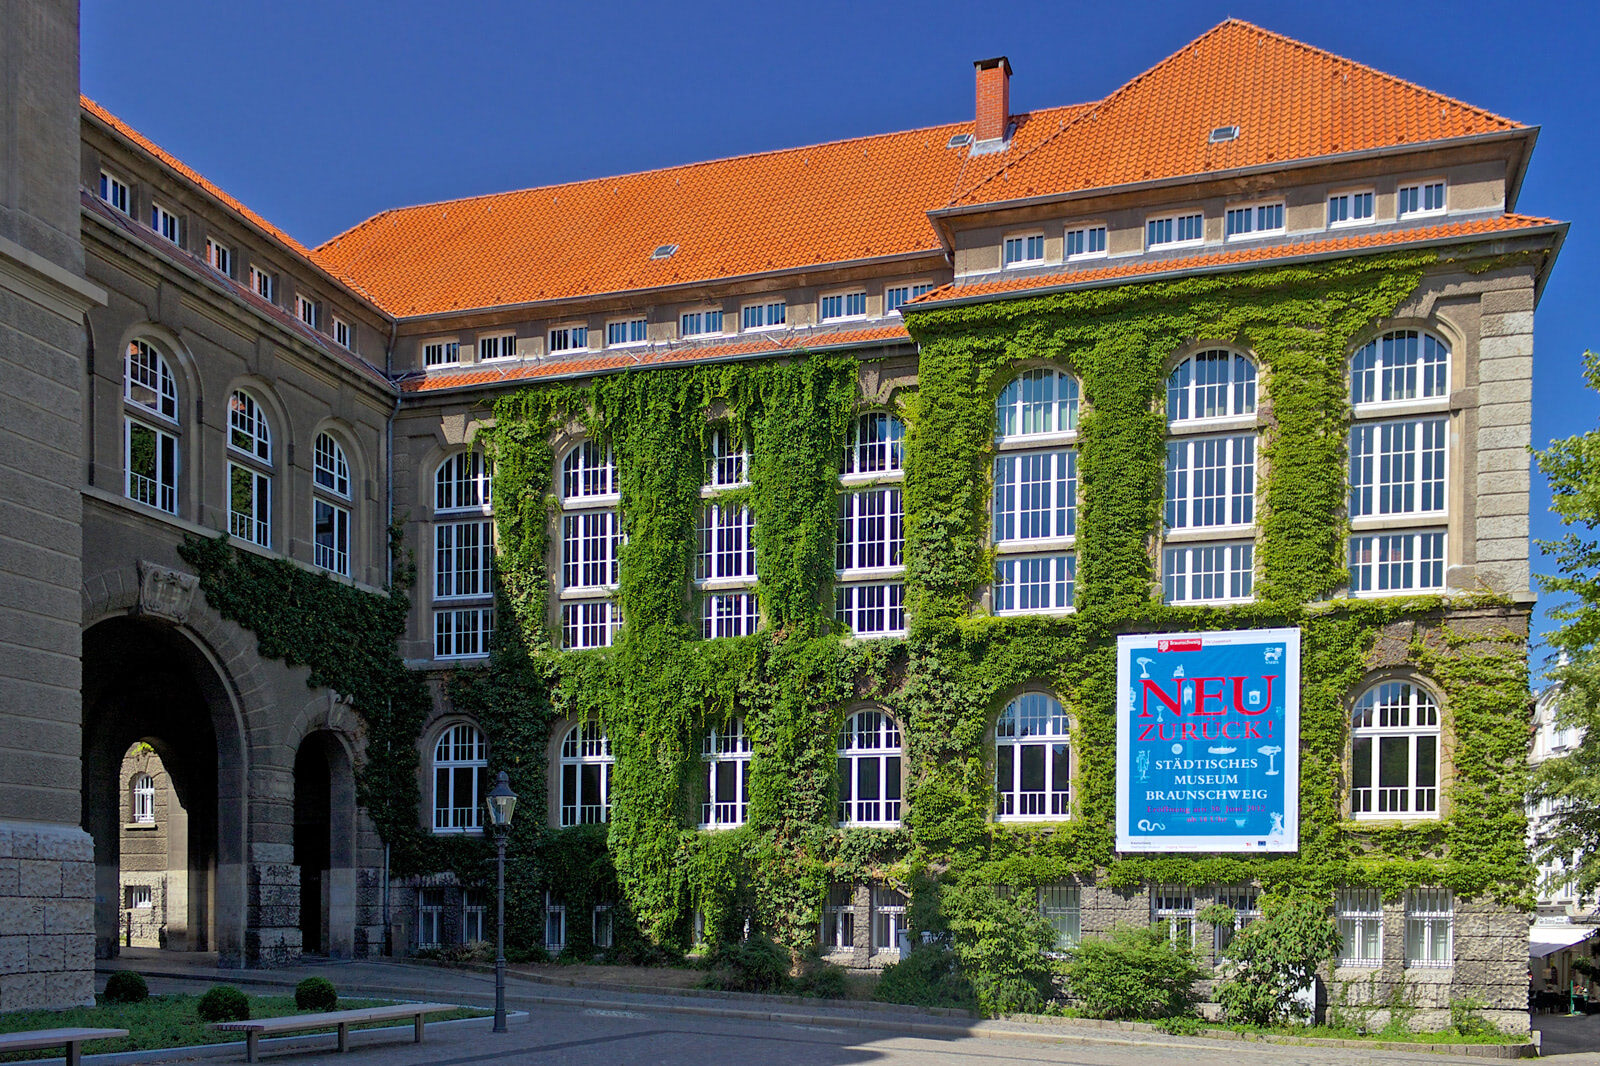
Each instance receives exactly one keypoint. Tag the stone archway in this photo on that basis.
(325, 844)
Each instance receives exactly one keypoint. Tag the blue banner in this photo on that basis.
(1208, 741)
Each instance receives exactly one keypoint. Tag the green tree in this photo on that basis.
(1271, 960)
(1572, 784)
(1134, 972)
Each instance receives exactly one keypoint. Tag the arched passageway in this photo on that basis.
(324, 844)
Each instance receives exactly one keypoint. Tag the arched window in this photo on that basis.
(726, 753)
(1036, 402)
(875, 445)
(460, 771)
(463, 557)
(249, 470)
(591, 535)
(1033, 760)
(1401, 365)
(585, 775)
(869, 770)
(142, 794)
(150, 447)
(727, 464)
(1213, 384)
(1394, 753)
(331, 519)
(869, 596)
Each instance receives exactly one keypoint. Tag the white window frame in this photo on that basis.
(585, 748)
(1393, 363)
(870, 534)
(700, 317)
(159, 488)
(219, 256)
(769, 314)
(330, 467)
(726, 749)
(870, 748)
(252, 486)
(727, 467)
(116, 192)
(494, 346)
(838, 933)
(1423, 190)
(1183, 585)
(138, 897)
(143, 799)
(1033, 722)
(1359, 913)
(1035, 583)
(727, 544)
(589, 624)
(875, 449)
(1174, 905)
(330, 483)
(441, 353)
(591, 525)
(430, 918)
(1219, 381)
(1035, 498)
(168, 225)
(1061, 905)
(845, 298)
(262, 283)
(888, 918)
(1400, 468)
(474, 916)
(1024, 244)
(1352, 198)
(1040, 402)
(1387, 562)
(1245, 903)
(341, 332)
(462, 632)
(463, 559)
(871, 609)
(248, 430)
(1174, 223)
(729, 614)
(1211, 482)
(460, 767)
(1430, 929)
(602, 925)
(148, 381)
(1252, 214)
(555, 921)
(1086, 233)
(307, 310)
(463, 484)
(628, 330)
(1397, 711)
(897, 296)
(561, 339)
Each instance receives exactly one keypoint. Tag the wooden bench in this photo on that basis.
(71, 1039)
(341, 1020)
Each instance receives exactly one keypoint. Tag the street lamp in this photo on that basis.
(501, 802)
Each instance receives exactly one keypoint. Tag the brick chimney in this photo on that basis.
(994, 99)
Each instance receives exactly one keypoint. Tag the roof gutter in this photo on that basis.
(1558, 229)
(1239, 172)
(1519, 169)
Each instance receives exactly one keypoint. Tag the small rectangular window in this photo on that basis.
(764, 315)
(626, 331)
(1086, 243)
(1430, 928)
(1424, 199)
(871, 610)
(138, 897)
(499, 346)
(897, 296)
(888, 919)
(152, 467)
(844, 305)
(1208, 573)
(1173, 905)
(307, 310)
(1359, 912)
(1385, 563)
(441, 353)
(1350, 208)
(430, 917)
(166, 223)
(114, 191)
(1062, 906)
(341, 332)
(1025, 249)
(331, 535)
(1024, 583)
(567, 338)
(261, 282)
(733, 614)
(1175, 230)
(839, 919)
(1256, 220)
(462, 634)
(220, 256)
(700, 323)
(589, 625)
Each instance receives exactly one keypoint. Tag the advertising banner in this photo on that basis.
(1208, 741)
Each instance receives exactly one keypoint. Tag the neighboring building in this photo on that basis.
(1566, 920)
(302, 399)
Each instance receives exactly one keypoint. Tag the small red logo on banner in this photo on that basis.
(1187, 644)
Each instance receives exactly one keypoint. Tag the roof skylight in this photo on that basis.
(663, 251)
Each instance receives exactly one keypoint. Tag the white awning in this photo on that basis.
(1546, 940)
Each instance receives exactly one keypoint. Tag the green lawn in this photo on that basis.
(170, 1021)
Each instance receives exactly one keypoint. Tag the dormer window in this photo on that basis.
(166, 223)
(261, 283)
(626, 331)
(114, 191)
(1023, 250)
(1175, 231)
(768, 315)
(700, 323)
(1350, 208)
(568, 339)
(1424, 199)
(499, 346)
(844, 305)
(441, 353)
(219, 256)
(306, 310)
(897, 296)
(1255, 220)
(341, 332)
(1086, 242)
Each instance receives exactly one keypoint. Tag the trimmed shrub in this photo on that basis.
(821, 979)
(125, 986)
(1270, 961)
(315, 994)
(755, 965)
(927, 976)
(224, 1003)
(1136, 972)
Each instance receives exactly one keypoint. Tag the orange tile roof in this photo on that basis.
(1290, 101)
(857, 199)
(1258, 255)
(622, 359)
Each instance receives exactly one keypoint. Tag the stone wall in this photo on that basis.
(46, 917)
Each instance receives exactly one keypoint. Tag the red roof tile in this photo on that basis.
(1259, 255)
(1290, 101)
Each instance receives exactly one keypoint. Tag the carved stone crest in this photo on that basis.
(165, 593)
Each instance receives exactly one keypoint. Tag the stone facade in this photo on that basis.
(46, 916)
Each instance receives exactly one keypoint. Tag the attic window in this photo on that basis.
(1222, 134)
(960, 140)
(663, 251)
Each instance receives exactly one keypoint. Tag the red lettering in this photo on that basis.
(1151, 728)
(1172, 703)
(1206, 729)
(1250, 731)
(1189, 732)
(1201, 695)
(1227, 730)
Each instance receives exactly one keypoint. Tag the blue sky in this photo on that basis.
(319, 114)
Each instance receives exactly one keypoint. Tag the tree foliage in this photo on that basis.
(1271, 961)
(1135, 972)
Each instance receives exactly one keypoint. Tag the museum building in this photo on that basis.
(813, 488)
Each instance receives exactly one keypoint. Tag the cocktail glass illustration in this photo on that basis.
(1272, 752)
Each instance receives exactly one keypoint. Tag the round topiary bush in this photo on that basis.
(316, 993)
(224, 1003)
(125, 986)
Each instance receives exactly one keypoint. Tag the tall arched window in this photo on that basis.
(869, 594)
(591, 534)
(1394, 753)
(1035, 503)
(869, 770)
(463, 557)
(1209, 554)
(330, 509)
(150, 423)
(1399, 466)
(1033, 760)
(249, 470)
(585, 775)
(728, 464)
(142, 797)
(726, 753)
(460, 771)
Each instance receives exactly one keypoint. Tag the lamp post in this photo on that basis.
(501, 803)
